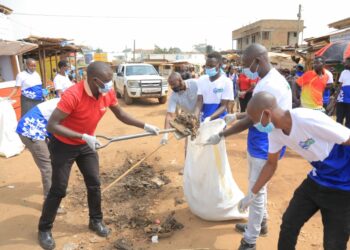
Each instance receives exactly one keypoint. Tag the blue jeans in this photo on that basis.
(308, 198)
(258, 209)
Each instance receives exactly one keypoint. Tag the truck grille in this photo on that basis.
(151, 87)
(150, 83)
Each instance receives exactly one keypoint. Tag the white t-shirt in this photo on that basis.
(330, 76)
(344, 94)
(213, 93)
(327, 92)
(275, 84)
(317, 138)
(62, 82)
(313, 135)
(186, 100)
(31, 85)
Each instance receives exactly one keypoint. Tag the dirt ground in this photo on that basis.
(142, 200)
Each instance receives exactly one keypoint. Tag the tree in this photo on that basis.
(171, 50)
(159, 50)
(208, 49)
(99, 50)
(200, 47)
(174, 50)
(203, 48)
(126, 50)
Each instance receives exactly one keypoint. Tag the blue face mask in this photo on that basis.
(107, 87)
(264, 129)
(211, 71)
(249, 73)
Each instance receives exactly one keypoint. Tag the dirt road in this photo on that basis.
(21, 196)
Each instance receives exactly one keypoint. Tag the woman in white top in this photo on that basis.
(61, 80)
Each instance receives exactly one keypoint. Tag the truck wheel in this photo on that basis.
(162, 99)
(127, 98)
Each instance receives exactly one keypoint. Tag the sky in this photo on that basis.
(114, 25)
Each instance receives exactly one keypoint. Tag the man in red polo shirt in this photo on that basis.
(73, 125)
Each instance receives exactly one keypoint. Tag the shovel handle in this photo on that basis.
(128, 137)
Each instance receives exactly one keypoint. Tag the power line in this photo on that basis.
(111, 17)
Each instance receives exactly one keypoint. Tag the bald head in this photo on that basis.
(176, 82)
(31, 64)
(259, 103)
(255, 58)
(101, 70)
(29, 61)
(254, 50)
(174, 76)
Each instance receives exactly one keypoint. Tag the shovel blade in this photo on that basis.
(181, 130)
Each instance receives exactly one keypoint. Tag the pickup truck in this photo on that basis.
(139, 80)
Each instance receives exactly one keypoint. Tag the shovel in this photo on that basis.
(178, 134)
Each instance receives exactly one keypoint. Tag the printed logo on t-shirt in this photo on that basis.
(218, 90)
(306, 144)
(314, 172)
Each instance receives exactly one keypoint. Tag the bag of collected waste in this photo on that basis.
(10, 143)
(209, 187)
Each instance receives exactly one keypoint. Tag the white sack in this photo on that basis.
(209, 187)
(10, 143)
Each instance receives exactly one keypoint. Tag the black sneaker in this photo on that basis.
(241, 227)
(46, 240)
(246, 246)
(99, 228)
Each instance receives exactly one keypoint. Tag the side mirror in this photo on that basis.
(120, 74)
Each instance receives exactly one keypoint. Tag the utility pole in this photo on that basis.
(299, 18)
(134, 51)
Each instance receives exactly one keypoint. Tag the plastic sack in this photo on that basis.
(10, 143)
(209, 187)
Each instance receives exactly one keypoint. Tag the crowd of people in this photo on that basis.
(253, 96)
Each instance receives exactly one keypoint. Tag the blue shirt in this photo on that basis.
(33, 124)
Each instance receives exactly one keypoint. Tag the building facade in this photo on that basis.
(268, 32)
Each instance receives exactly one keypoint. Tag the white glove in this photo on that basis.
(164, 139)
(91, 141)
(213, 139)
(207, 119)
(245, 202)
(229, 118)
(152, 129)
(6, 98)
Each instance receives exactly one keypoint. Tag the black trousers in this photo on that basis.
(27, 104)
(343, 112)
(308, 198)
(243, 102)
(62, 157)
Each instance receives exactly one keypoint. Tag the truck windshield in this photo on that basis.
(140, 70)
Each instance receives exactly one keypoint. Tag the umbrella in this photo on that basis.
(335, 52)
